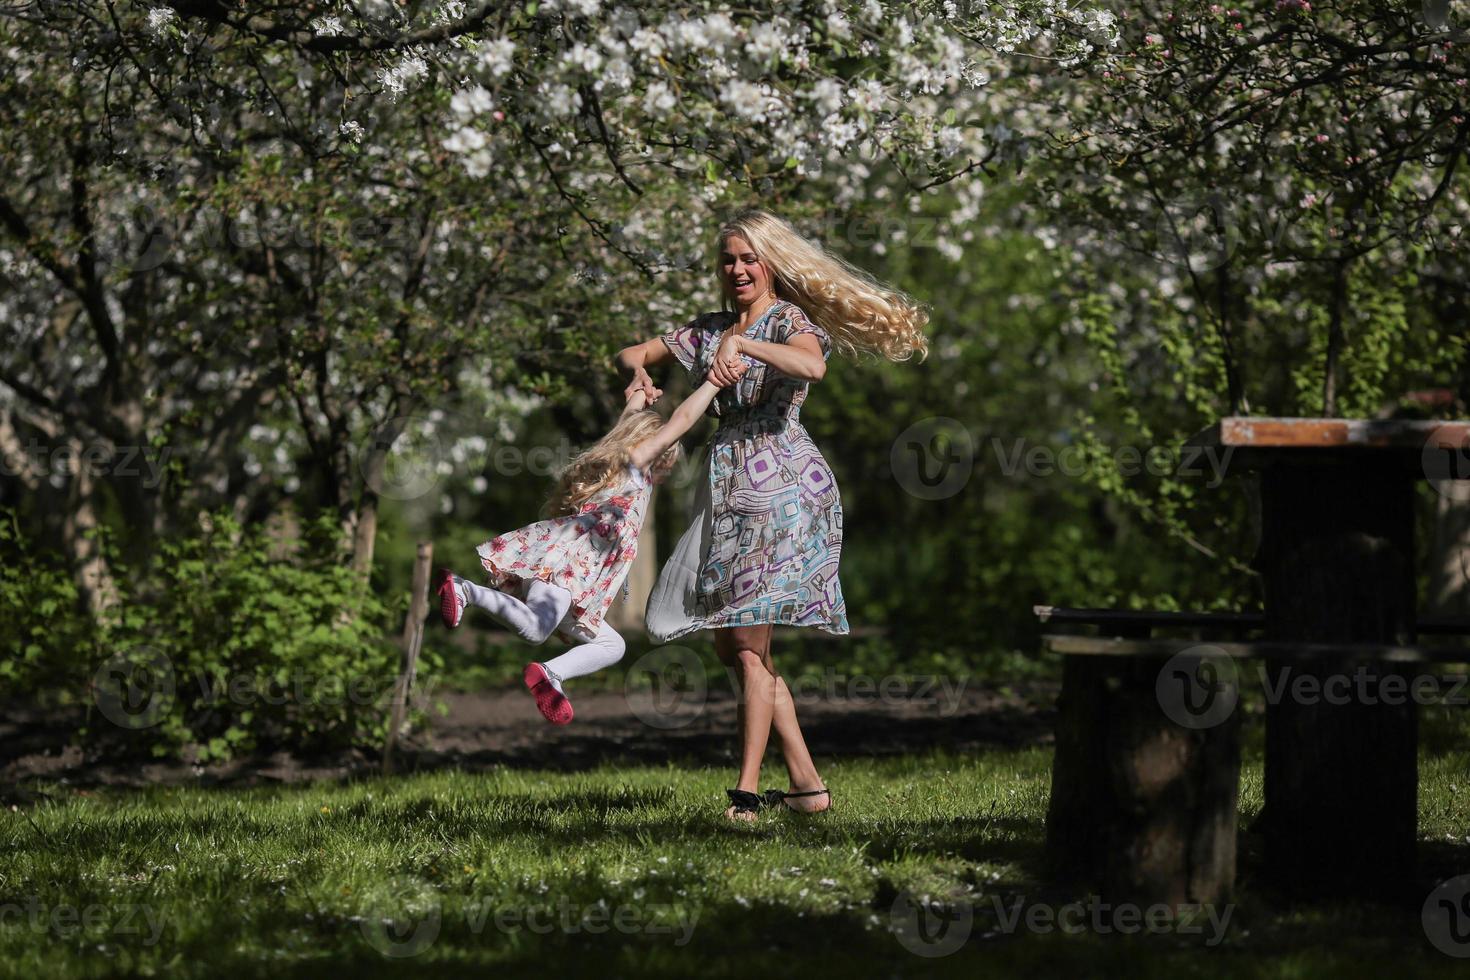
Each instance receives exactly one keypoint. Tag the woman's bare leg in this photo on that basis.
(740, 649)
(747, 650)
(800, 768)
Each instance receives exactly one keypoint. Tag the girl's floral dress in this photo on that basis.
(587, 553)
(766, 538)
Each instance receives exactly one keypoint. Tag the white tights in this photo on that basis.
(537, 617)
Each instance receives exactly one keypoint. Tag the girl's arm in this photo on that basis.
(679, 423)
(637, 401)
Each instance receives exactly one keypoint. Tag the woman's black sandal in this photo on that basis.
(745, 801)
(774, 797)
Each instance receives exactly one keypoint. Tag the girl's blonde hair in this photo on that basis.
(601, 465)
(858, 312)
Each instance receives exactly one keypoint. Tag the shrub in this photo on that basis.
(230, 640)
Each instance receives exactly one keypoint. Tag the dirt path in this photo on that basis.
(502, 728)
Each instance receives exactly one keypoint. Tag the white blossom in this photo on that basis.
(617, 75)
(826, 96)
(495, 57)
(464, 140)
(744, 98)
(471, 102)
(949, 140)
(159, 19)
(766, 41)
(560, 99)
(648, 43)
(658, 100)
(582, 56)
(397, 78)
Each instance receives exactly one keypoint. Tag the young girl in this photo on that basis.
(560, 575)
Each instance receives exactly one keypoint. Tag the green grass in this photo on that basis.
(193, 881)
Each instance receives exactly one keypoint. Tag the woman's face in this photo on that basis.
(746, 277)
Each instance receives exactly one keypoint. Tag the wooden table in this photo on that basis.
(1336, 558)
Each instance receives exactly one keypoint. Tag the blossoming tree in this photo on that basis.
(319, 220)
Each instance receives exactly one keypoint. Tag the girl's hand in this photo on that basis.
(728, 364)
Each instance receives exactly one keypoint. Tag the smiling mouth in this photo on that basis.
(742, 283)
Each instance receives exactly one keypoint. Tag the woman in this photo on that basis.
(767, 534)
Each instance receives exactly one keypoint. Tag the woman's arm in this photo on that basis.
(800, 357)
(639, 358)
(683, 419)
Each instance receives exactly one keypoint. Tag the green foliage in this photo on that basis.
(233, 639)
(38, 604)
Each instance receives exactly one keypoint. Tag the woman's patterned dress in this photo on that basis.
(766, 539)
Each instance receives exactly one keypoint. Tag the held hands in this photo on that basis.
(642, 384)
(729, 361)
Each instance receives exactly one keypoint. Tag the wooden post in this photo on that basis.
(1142, 809)
(1341, 779)
(413, 638)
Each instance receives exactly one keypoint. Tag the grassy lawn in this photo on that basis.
(514, 870)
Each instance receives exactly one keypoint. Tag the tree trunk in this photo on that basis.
(626, 615)
(80, 531)
(1142, 809)
(365, 533)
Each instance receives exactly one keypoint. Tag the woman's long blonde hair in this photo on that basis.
(601, 465)
(858, 312)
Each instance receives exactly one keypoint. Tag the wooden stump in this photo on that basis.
(413, 638)
(1142, 809)
(1341, 779)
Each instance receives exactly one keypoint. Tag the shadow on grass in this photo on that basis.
(887, 936)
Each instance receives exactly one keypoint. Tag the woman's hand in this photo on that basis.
(729, 363)
(642, 382)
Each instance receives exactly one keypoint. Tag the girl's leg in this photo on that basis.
(604, 650)
(744, 650)
(532, 620)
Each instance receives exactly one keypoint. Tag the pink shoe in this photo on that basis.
(549, 701)
(451, 607)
